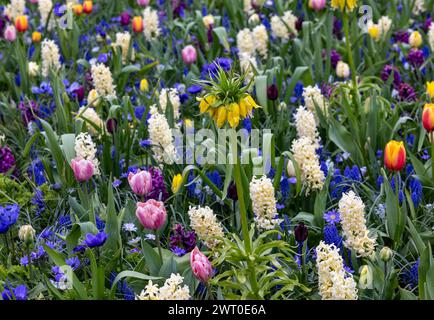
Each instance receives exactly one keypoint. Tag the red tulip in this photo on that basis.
(428, 117)
(21, 23)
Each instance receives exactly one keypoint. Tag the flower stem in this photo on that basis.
(157, 236)
(350, 59)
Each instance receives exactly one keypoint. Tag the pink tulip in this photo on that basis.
(141, 182)
(143, 3)
(10, 33)
(200, 265)
(83, 169)
(317, 4)
(151, 214)
(189, 55)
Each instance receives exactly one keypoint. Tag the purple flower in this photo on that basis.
(182, 241)
(387, 71)
(332, 217)
(159, 190)
(406, 92)
(29, 111)
(7, 159)
(415, 57)
(401, 36)
(125, 18)
(95, 240)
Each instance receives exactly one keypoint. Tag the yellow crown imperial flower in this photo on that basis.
(234, 114)
(344, 4)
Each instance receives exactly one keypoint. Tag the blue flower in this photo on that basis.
(36, 171)
(73, 262)
(331, 235)
(416, 191)
(411, 276)
(194, 89)
(332, 217)
(18, 293)
(8, 216)
(95, 240)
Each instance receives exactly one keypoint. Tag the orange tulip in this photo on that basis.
(394, 155)
(21, 23)
(137, 24)
(428, 117)
(36, 36)
(87, 7)
(77, 9)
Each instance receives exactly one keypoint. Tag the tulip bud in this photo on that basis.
(208, 21)
(386, 254)
(111, 125)
(21, 23)
(342, 70)
(366, 277)
(143, 3)
(290, 169)
(87, 6)
(394, 155)
(232, 191)
(77, 9)
(83, 169)
(26, 233)
(300, 232)
(125, 18)
(176, 183)
(272, 92)
(10, 33)
(200, 265)
(137, 24)
(430, 89)
(189, 55)
(317, 4)
(36, 36)
(151, 214)
(140, 182)
(144, 85)
(415, 39)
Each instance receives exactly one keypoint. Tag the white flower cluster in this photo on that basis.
(333, 281)
(418, 7)
(304, 151)
(431, 36)
(245, 42)
(161, 137)
(204, 222)
(173, 289)
(15, 8)
(102, 80)
(260, 37)
(50, 57)
(89, 114)
(283, 27)
(85, 148)
(352, 212)
(45, 7)
(312, 95)
(264, 202)
(173, 95)
(33, 69)
(123, 40)
(247, 65)
(305, 124)
(150, 23)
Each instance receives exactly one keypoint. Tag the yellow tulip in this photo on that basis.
(221, 116)
(176, 183)
(144, 85)
(234, 115)
(374, 32)
(430, 89)
(415, 39)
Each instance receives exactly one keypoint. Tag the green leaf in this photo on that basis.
(152, 258)
(129, 274)
(112, 227)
